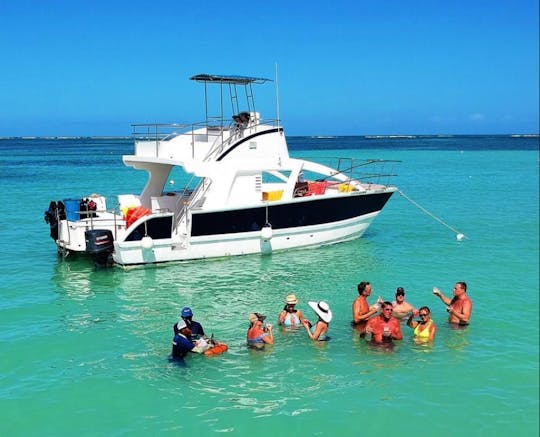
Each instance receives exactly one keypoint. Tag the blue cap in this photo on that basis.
(186, 312)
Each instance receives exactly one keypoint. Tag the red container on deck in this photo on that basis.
(316, 188)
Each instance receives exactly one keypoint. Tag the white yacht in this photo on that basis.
(243, 192)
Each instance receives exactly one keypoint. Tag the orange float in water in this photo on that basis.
(218, 349)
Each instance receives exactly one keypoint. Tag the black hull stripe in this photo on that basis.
(290, 215)
(250, 137)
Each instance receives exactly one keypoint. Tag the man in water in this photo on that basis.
(182, 343)
(384, 328)
(196, 328)
(459, 307)
(402, 308)
(361, 311)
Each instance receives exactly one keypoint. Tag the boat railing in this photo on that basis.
(101, 219)
(236, 132)
(222, 132)
(365, 171)
(190, 199)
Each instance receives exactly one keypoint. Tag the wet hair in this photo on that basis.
(387, 304)
(362, 286)
(463, 285)
(425, 309)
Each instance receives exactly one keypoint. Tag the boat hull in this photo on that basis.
(241, 232)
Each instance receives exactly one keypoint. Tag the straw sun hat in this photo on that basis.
(291, 299)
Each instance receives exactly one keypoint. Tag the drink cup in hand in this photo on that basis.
(436, 291)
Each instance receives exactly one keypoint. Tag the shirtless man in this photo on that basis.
(459, 307)
(384, 328)
(402, 308)
(361, 311)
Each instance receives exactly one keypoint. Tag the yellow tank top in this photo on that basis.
(424, 334)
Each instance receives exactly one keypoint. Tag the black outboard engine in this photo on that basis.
(99, 244)
(51, 218)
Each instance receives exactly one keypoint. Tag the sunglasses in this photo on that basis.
(388, 309)
(423, 314)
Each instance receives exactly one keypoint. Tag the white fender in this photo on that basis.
(266, 232)
(147, 242)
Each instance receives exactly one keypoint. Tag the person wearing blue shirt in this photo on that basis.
(182, 343)
(196, 328)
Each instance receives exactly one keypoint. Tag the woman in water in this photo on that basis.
(290, 316)
(318, 332)
(425, 329)
(257, 334)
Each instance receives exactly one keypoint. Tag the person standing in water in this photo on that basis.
(402, 308)
(290, 316)
(459, 307)
(181, 343)
(384, 328)
(319, 331)
(196, 328)
(425, 329)
(361, 311)
(258, 334)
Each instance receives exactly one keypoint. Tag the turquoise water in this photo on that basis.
(85, 351)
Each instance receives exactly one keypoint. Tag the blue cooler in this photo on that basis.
(72, 209)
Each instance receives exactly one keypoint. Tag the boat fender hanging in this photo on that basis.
(266, 232)
(147, 242)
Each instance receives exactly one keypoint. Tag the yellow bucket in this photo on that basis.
(272, 195)
(345, 188)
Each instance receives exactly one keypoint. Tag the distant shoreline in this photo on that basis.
(322, 137)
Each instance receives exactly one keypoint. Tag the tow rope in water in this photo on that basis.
(459, 235)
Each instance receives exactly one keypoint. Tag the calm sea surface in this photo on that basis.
(85, 352)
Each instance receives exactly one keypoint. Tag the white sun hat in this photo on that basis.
(322, 309)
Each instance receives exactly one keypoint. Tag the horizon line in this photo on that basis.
(367, 136)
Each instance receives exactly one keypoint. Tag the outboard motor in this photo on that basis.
(51, 218)
(100, 245)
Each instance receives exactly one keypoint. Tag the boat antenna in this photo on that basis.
(277, 96)
(206, 103)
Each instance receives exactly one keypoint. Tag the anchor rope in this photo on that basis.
(433, 216)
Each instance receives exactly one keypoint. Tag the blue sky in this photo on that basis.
(351, 67)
